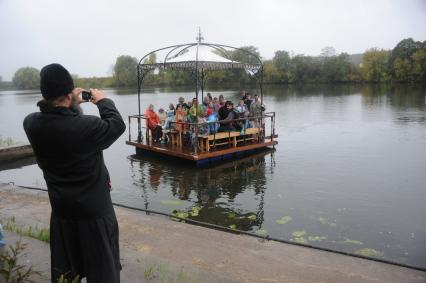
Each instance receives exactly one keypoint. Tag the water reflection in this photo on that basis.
(18, 163)
(211, 193)
(401, 97)
(281, 93)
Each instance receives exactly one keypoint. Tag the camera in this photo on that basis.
(86, 95)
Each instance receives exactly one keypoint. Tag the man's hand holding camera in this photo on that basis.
(94, 95)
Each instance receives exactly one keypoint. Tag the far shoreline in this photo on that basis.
(8, 86)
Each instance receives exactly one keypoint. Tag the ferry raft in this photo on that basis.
(186, 141)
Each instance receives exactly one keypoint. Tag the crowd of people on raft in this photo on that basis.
(212, 115)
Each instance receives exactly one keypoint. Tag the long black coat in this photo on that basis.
(68, 147)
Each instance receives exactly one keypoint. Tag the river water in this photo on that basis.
(348, 172)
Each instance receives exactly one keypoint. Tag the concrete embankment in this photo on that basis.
(13, 152)
(156, 249)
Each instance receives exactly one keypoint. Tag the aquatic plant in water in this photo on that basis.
(300, 240)
(171, 202)
(369, 252)
(231, 215)
(252, 217)
(298, 237)
(325, 221)
(349, 241)
(316, 238)
(283, 220)
(299, 233)
(180, 214)
(261, 232)
(195, 211)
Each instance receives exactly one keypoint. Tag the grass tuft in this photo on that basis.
(41, 234)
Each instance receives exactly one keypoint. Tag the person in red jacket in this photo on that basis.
(153, 123)
(68, 147)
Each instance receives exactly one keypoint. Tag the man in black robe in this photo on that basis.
(68, 147)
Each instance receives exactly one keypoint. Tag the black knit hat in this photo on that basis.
(55, 81)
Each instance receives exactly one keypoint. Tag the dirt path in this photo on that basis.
(156, 249)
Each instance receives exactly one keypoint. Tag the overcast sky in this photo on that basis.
(87, 36)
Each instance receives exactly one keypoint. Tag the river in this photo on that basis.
(348, 172)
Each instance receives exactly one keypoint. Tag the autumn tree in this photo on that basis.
(375, 67)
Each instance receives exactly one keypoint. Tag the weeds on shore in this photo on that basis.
(62, 279)
(10, 269)
(41, 234)
(160, 273)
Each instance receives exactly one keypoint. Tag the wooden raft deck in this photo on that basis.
(187, 154)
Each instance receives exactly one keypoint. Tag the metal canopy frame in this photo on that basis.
(197, 68)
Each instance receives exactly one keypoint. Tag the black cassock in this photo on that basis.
(83, 227)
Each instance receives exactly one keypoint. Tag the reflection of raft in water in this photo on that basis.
(185, 140)
(211, 191)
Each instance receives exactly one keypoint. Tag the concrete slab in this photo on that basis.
(203, 255)
(13, 152)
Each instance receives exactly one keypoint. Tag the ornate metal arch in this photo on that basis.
(198, 67)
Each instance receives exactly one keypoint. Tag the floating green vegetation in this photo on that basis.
(325, 221)
(283, 220)
(300, 240)
(233, 226)
(349, 241)
(180, 214)
(195, 211)
(171, 202)
(316, 238)
(252, 217)
(261, 232)
(369, 252)
(298, 234)
(231, 215)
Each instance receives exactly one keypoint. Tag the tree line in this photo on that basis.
(405, 63)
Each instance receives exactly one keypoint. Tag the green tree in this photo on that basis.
(401, 69)
(125, 71)
(178, 77)
(304, 69)
(375, 65)
(152, 78)
(336, 68)
(244, 55)
(216, 77)
(402, 60)
(152, 59)
(271, 73)
(281, 59)
(419, 65)
(26, 78)
(405, 49)
(281, 62)
(328, 51)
